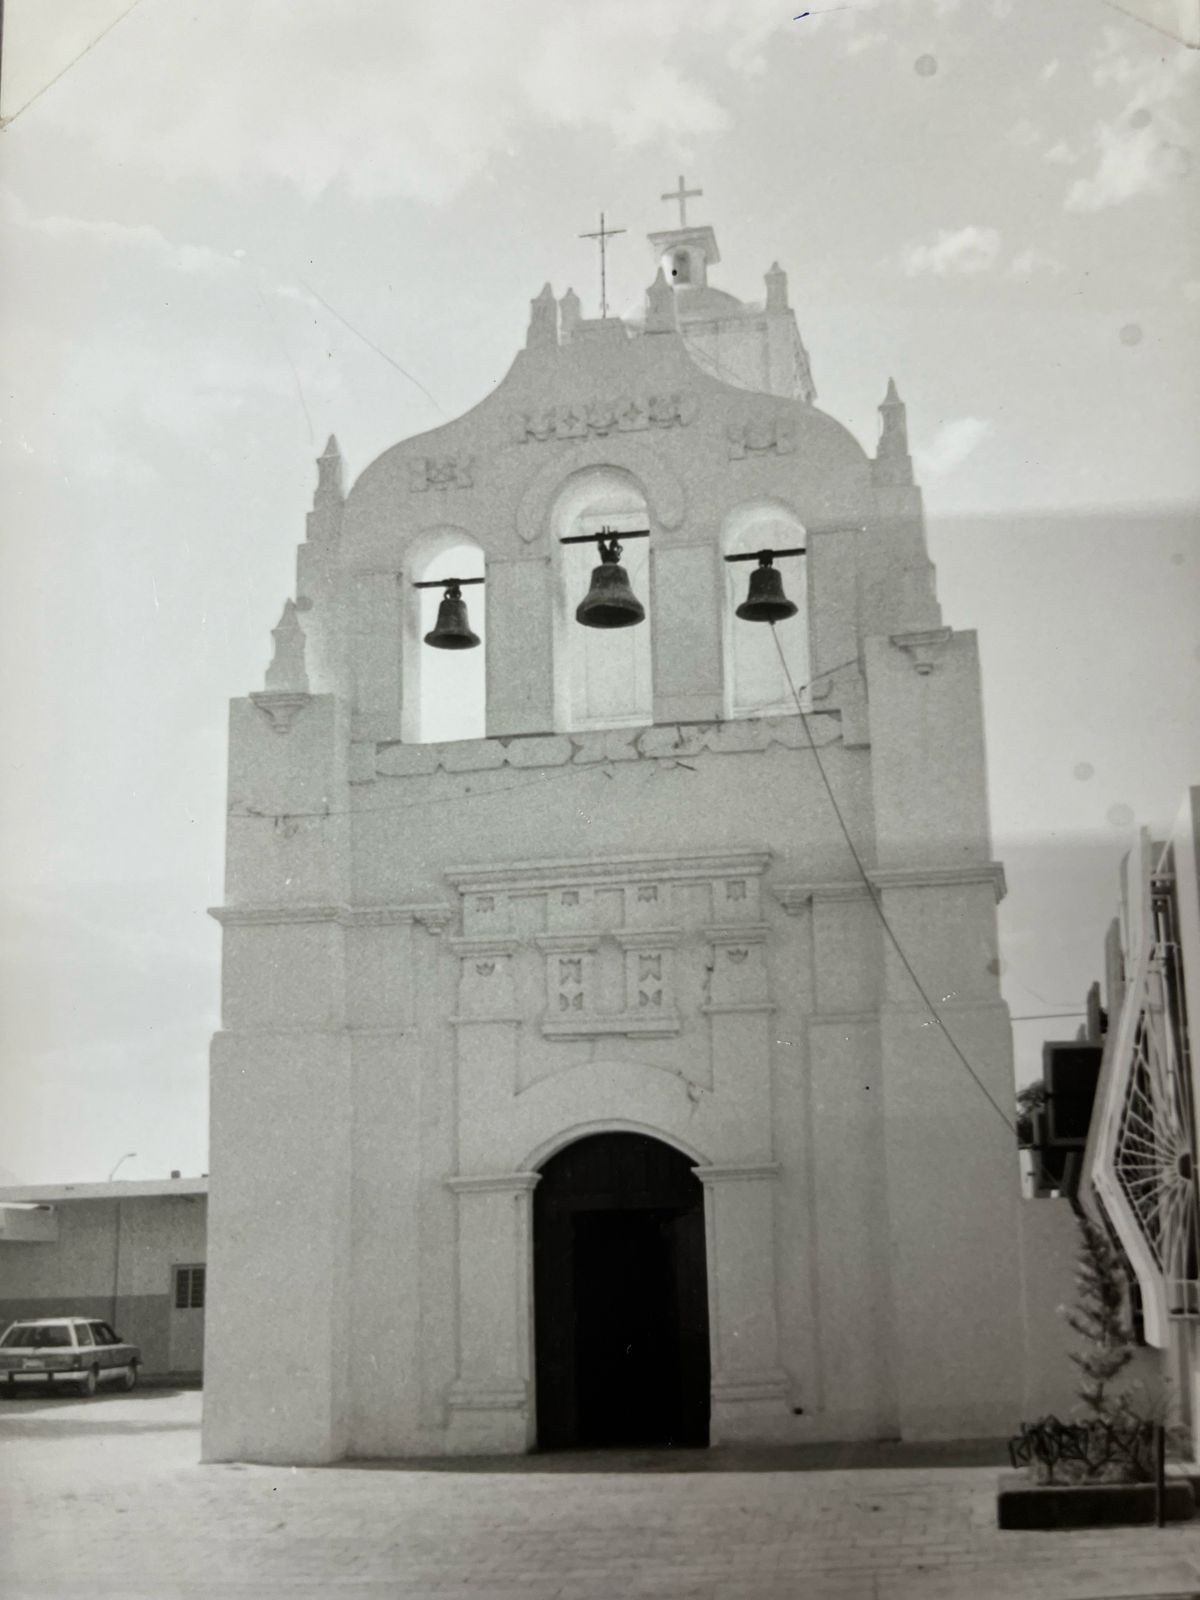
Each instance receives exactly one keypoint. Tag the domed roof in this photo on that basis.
(695, 302)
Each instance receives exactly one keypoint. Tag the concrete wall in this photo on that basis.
(83, 1274)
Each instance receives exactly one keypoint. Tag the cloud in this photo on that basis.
(404, 100)
(954, 251)
(1132, 161)
(952, 444)
(1145, 147)
(1026, 263)
(1062, 154)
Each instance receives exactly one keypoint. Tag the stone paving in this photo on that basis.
(106, 1500)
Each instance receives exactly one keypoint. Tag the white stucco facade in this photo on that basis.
(446, 962)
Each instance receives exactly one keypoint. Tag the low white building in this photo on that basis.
(130, 1253)
(571, 1087)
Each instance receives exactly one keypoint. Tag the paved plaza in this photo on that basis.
(106, 1500)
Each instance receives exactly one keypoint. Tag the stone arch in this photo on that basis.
(602, 678)
(621, 1311)
(445, 693)
(755, 681)
(663, 490)
(552, 1145)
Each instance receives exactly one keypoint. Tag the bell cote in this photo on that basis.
(685, 255)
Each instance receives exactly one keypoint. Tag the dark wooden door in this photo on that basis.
(620, 1296)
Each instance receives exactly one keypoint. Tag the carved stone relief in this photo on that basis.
(760, 434)
(582, 419)
(441, 472)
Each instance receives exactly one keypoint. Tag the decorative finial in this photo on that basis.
(893, 465)
(569, 313)
(287, 673)
(329, 471)
(682, 195)
(662, 313)
(543, 320)
(777, 285)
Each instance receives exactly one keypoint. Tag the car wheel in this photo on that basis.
(130, 1376)
(88, 1386)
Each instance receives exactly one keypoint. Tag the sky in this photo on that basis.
(231, 229)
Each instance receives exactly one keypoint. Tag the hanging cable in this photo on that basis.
(876, 902)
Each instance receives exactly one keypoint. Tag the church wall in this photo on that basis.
(444, 962)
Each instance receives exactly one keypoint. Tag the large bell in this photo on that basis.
(610, 602)
(452, 631)
(766, 601)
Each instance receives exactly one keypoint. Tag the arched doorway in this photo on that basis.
(620, 1296)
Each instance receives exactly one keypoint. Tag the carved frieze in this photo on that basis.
(596, 418)
(441, 472)
(760, 434)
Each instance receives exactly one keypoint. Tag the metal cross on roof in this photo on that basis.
(683, 196)
(604, 235)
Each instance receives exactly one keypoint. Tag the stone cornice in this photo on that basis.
(530, 875)
(741, 1172)
(435, 917)
(793, 897)
(941, 877)
(495, 1183)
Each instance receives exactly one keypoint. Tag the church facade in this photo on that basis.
(571, 1087)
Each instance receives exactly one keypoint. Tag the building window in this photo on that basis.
(602, 678)
(445, 691)
(189, 1288)
(756, 684)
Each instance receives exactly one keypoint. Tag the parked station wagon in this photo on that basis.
(66, 1350)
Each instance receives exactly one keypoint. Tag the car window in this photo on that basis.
(83, 1334)
(38, 1336)
(104, 1334)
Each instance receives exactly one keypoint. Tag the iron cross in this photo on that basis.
(683, 196)
(604, 235)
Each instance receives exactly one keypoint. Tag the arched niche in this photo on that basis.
(445, 691)
(756, 684)
(602, 679)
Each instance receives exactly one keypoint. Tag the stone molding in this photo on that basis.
(736, 933)
(666, 741)
(465, 1397)
(740, 1172)
(536, 875)
(281, 706)
(941, 877)
(794, 897)
(494, 1182)
(662, 488)
(484, 945)
(925, 647)
(721, 1008)
(434, 917)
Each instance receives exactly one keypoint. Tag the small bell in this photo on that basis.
(766, 601)
(452, 631)
(610, 602)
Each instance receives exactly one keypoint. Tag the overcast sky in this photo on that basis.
(992, 200)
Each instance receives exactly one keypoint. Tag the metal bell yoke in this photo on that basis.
(610, 601)
(766, 601)
(452, 630)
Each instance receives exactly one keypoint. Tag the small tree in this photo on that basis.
(1099, 1318)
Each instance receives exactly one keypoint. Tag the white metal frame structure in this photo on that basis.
(1143, 1158)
